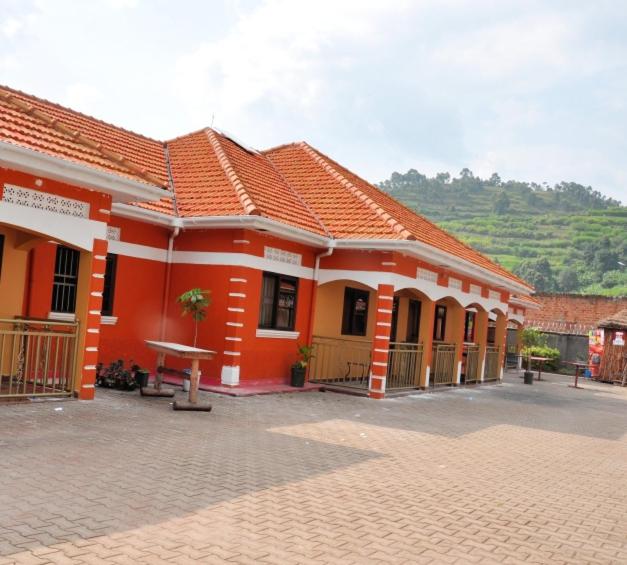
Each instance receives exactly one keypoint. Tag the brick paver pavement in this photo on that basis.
(498, 474)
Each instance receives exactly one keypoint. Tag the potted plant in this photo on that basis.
(305, 352)
(195, 303)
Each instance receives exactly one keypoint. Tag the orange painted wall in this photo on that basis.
(12, 275)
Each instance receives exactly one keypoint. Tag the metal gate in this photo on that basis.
(340, 362)
(492, 368)
(404, 364)
(444, 364)
(471, 371)
(37, 357)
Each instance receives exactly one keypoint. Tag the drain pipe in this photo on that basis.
(168, 273)
(314, 288)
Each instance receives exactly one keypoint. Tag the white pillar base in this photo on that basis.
(458, 379)
(482, 374)
(427, 375)
(230, 375)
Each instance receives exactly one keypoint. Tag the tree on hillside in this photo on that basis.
(538, 273)
(568, 280)
(502, 204)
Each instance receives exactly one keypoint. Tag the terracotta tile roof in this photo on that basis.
(214, 175)
(352, 208)
(22, 124)
(51, 125)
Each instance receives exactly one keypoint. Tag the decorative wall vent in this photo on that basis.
(475, 289)
(281, 256)
(494, 295)
(45, 201)
(427, 275)
(454, 283)
(113, 233)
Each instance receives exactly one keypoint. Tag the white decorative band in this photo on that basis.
(235, 324)
(382, 350)
(387, 337)
(386, 298)
(105, 211)
(228, 338)
(96, 294)
(236, 279)
(91, 349)
(388, 324)
(376, 363)
(95, 312)
(242, 241)
(237, 294)
(230, 309)
(384, 310)
(388, 263)
(89, 367)
(93, 331)
(277, 334)
(233, 353)
(98, 275)
(100, 257)
(87, 386)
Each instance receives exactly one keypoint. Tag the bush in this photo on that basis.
(543, 351)
(532, 337)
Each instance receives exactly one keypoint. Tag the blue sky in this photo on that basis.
(534, 90)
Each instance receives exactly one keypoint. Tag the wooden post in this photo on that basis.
(159, 376)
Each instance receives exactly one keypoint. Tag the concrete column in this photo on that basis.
(381, 340)
(500, 339)
(88, 305)
(234, 334)
(455, 319)
(481, 338)
(427, 315)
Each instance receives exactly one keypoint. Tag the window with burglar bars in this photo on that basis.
(65, 280)
(278, 302)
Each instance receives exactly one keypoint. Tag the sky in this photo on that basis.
(533, 90)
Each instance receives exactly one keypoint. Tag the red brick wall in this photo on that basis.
(572, 313)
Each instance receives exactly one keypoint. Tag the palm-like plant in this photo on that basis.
(195, 303)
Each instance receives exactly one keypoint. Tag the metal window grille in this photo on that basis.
(108, 290)
(65, 280)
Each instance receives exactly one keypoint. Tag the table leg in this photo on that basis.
(160, 365)
(193, 383)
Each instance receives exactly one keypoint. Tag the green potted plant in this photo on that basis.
(195, 303)
(305, 353)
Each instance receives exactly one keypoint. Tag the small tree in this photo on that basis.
(195, 302)
(532, 337)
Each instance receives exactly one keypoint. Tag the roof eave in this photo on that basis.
(120, 188)
(440, 258)
(258, 223)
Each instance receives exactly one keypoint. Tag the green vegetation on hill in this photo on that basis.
(566, 238)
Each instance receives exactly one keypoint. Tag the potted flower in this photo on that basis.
(305, 353)
(195, 303)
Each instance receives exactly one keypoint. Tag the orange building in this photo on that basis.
(101, 229)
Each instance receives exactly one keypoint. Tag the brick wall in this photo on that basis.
(572, 313)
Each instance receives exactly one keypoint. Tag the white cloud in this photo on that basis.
(10, 27)
(83, 97)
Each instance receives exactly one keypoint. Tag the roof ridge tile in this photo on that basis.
(389, 220)
(246, 201)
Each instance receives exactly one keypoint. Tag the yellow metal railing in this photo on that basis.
(471, 365)
(492, 368)
(37, 357)
(444, 363)
(340, 361)
(404, 364)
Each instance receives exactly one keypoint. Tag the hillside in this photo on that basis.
(566, 238)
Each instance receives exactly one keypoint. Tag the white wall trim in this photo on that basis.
(78, 232)
(62, 317)
(108, 320)
(277, 334)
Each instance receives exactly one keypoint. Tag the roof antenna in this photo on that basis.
(212, 117)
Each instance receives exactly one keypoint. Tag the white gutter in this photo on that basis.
(414, 248)
(120, 188)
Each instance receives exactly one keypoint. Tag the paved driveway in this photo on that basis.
(504, 474)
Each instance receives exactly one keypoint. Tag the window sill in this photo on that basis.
(277, 334)
(62, 316)
(108, 320)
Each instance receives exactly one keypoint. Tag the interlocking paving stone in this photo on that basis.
(494, 474)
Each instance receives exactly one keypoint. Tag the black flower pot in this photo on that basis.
(528, 378)
(298, 376)
(141, 377)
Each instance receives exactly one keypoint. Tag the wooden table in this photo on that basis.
(541, 361)
(578, 366)
(194, 354)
